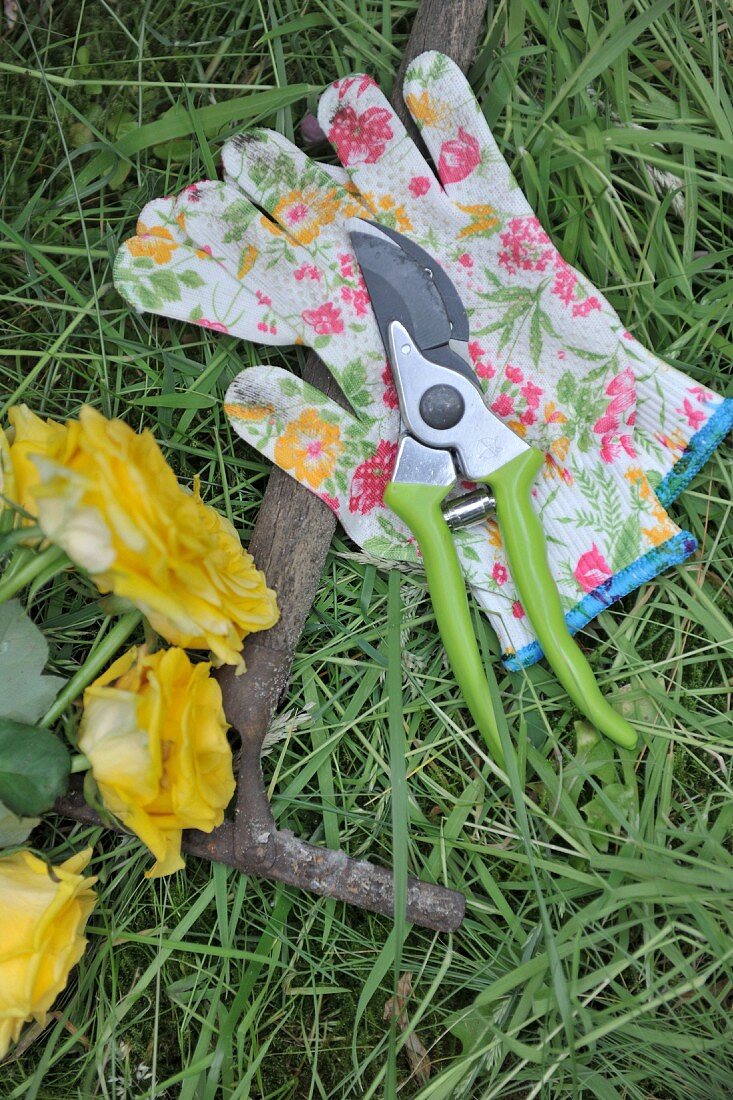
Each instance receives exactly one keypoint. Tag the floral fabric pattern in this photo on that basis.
(371, 477)
(556, 363)
(361, 137)
(309, 448)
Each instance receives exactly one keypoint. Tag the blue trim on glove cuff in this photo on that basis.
(696, 453)
(670, 553)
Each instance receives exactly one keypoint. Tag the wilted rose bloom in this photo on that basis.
(154, 731)
(43, 913)
(106, 496)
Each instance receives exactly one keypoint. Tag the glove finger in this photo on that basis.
(217, 214)
(157, 219)
(391, 175)
(299, 194)
(314, 208)
(456, 134)
(161, 271)
(340, 176)
(326, 309)
(286, 284)
(254, 251)
(250, 246)
(318, 212)
(326, 449)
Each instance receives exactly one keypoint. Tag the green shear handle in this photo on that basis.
(524, 542)
(418, 506)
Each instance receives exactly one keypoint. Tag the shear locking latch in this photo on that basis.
(471, 508)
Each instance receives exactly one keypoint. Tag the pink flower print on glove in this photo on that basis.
(458, 157)
(503, 405)
(371, 478)
(389, 396)
(483, 369)
(526, 246)
(566, 288)
(326, 320)
(360, 138)
(592, 569)
(622, 391)
(419, 185)
(357, 299)
(695, 417)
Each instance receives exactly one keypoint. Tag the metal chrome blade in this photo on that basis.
(403, 286)
(452, 301)
(400, 290)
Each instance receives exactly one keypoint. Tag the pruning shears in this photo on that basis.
(447, 432)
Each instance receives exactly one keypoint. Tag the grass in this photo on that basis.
(598, 935)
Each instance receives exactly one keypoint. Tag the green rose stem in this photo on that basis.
(80, 763)
(94, 664)
(21, 573)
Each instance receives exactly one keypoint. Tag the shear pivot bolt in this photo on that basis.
(442, 407)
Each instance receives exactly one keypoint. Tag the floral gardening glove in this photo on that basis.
(265, 288)
(209, 256)
(559, 366)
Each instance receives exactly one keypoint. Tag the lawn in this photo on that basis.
(599, 928)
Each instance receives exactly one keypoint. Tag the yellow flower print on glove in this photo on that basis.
(309, 448)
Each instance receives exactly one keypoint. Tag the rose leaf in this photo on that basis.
(34, 767)
(25, 694)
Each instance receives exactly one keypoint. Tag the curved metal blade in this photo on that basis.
(401, 280)
(454, 308)
(401, 290)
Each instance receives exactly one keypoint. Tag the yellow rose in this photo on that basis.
(154, 730)
(43, 913)
(28, 435)
(107, 497)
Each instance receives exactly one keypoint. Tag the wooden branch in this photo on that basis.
(277, 854)
(291, 539)
(288, 507)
